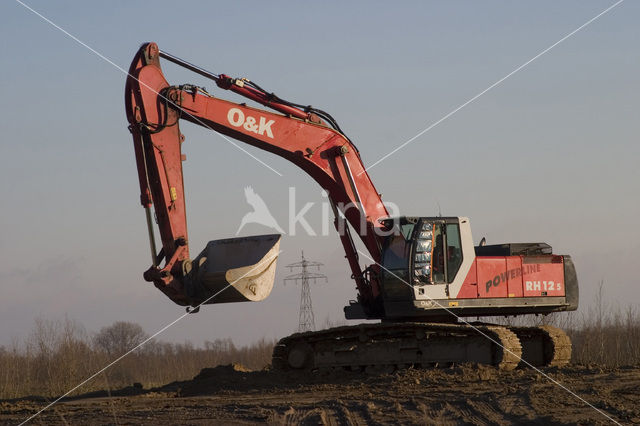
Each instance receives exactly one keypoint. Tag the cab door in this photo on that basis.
(437, 257)
(446, 253)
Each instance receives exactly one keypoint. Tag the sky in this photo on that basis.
(550, 154)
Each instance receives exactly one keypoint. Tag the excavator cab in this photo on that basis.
(420, 251)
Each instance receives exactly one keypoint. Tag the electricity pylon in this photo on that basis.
(306, 320)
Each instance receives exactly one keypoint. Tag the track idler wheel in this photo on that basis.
(300, 356)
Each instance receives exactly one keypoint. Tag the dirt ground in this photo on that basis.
(456, 395)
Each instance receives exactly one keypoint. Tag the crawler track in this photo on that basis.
(387, 346)
(544, 346)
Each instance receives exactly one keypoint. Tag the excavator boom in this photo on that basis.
(154, 109)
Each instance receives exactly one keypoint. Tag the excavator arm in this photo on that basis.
(298, 134)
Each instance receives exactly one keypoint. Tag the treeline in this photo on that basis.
(58, 355)
(606, 334)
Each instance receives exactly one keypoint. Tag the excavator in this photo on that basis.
(425, 274)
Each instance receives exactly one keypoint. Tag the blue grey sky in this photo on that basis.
(549, 155)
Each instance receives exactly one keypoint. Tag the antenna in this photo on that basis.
(306, 320)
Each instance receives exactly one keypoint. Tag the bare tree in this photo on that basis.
(119, 337)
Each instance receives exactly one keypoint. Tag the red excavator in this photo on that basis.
(425, 272)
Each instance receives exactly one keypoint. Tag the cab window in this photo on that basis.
(396, 253)
(438, 254)
(422, 254)
(447, 252)
(454, 250)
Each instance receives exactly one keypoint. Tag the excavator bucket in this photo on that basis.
(233, 270)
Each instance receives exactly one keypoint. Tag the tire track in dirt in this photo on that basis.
(459, 395)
